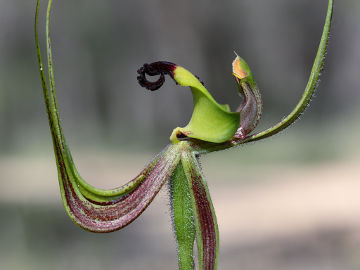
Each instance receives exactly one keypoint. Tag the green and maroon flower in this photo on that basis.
(212, 127)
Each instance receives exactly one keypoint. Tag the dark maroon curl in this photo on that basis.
(161, 68)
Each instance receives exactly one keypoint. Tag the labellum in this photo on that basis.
(212, 127)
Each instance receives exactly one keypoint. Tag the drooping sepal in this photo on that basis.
(95, 209)
(113, 214)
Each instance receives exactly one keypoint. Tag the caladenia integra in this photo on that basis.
(212, 127)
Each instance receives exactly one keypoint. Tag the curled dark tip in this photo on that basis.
(161, 68)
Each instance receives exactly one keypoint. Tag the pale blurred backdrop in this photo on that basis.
(287, 203)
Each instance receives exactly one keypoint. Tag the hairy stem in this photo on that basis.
(183, 218)
(207, 233)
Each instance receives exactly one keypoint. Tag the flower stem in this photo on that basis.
(182, 217)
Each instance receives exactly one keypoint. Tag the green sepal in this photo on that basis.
(311, 84)
(95, 209)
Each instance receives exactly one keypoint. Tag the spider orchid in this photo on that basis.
(212, 127)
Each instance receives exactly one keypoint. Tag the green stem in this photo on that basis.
(183, 219)
(207, 232)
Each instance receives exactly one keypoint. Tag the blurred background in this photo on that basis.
(289, 202)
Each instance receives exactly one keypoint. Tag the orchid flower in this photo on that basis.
(212, 127)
